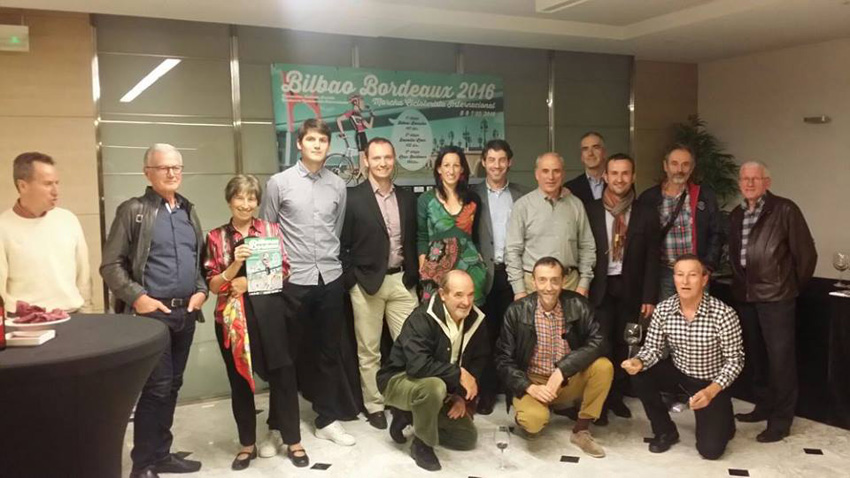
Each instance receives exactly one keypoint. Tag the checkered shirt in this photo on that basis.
(750, 219)
(679, 239)
(551, 346)
(708, 348)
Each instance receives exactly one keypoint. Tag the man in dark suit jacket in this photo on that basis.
(625, 279)
(378, 253)
(588, 185)
(497, 196)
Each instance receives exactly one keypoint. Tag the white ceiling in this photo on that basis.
(671, 30)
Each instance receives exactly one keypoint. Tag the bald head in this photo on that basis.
(549, 173)
(457, 292)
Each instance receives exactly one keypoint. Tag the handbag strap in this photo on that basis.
(679, 205)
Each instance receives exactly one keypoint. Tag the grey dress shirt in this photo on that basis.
(310, 209)
(539, 227)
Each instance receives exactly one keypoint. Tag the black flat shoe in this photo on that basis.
(377, 420)
(401, 419)
(771, 435)
(663, 442)
(175, 464)
(298, 457)
(486, 404)
(242, 463)
(424, 455)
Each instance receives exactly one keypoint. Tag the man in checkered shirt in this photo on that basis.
(706, 356)
(551, 353)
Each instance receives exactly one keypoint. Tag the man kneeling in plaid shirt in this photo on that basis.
(707, 354)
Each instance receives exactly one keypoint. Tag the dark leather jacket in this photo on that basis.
(423, 348)
(519, 337)
(781, 254)
(125, 253)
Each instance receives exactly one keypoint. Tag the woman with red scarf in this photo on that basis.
(254, 332)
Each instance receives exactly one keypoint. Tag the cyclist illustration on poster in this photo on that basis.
(359, 124)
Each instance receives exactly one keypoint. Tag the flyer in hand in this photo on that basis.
(264, 267)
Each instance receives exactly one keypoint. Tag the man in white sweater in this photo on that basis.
(44, 259)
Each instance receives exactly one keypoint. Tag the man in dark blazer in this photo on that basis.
(378, 253)
(497, 196)
(588, 185)
(625, 279)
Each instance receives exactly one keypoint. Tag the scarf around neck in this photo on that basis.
(618, 207)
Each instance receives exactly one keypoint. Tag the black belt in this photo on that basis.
(501, 266)
(175, 303)
(394, 270)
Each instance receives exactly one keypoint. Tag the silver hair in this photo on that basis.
(162, 148)
(560, 158)
(764, 171)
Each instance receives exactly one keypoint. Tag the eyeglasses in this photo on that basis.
(166, 169)
(750, 180)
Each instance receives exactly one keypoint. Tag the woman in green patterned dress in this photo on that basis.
(447, 218)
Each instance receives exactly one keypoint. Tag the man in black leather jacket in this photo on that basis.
(152, 264)
(431, 376)
(551, 353)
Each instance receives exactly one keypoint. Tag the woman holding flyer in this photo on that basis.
(251, 324)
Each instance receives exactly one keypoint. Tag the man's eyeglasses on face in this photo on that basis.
(166, 169)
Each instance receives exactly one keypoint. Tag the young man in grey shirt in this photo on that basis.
(308, 202)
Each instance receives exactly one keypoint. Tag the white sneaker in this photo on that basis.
(335, 433)
(270, 445)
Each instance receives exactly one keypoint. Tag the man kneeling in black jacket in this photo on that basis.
(550, 353)
(431, 377)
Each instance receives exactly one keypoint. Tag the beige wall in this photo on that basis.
(756, 105)
(664, 94)
(46, 105)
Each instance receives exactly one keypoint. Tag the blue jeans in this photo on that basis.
(155, 409)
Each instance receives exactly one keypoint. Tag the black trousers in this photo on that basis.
(501, 295)
(319, 323)
(613, 315)
(715, 424)
(284, 414)
(154, 415)
(769, 338)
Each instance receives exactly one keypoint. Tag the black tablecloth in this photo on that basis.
(823, 353)
(838, 376)
(64, 405)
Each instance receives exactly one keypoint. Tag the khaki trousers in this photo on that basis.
(591, 385)
(425, 399)
(393, 301)
(570, 281)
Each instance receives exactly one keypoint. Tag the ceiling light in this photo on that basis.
(150, 79)
(552, 6)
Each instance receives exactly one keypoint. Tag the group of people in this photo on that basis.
(542, 295)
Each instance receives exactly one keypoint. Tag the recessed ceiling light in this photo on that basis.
(150, 79)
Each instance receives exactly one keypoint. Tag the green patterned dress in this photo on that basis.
(446, 241)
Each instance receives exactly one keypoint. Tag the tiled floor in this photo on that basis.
(207, 429)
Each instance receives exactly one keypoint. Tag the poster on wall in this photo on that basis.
(419, 112)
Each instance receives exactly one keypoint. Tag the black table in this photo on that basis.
(64, 405)
(823, 353)
(838, 375)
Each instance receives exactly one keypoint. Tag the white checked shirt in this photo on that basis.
(708, 348)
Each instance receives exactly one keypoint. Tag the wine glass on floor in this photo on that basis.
(841, 262)
(502, 438)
